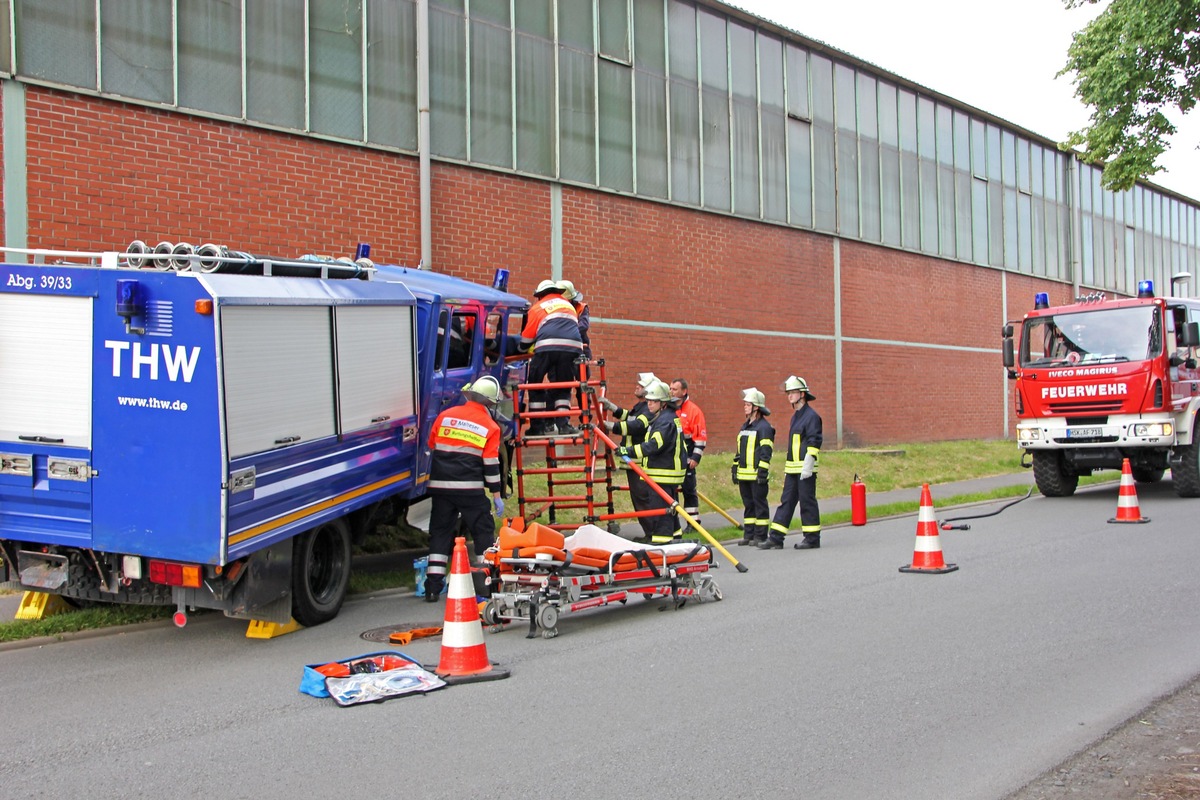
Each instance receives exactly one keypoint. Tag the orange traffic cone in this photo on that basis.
(927, 554)
(1127, 502)
(464, 655)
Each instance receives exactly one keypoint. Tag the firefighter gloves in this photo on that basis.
(810, 464)
(733, 473)
(498, 503)
(763, 477)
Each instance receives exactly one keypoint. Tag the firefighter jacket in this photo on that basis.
(552, 325)
(695, 430)
(631, 425)
(804, 439)
(755, 445)
(465, 441)
(661, 453)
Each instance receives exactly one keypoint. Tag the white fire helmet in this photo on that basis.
(485, 390)
(796, 384)
(658, 391)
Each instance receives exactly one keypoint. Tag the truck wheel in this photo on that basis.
(1186, 476)
(1051, 475)
(1147, 474)
(320, 573)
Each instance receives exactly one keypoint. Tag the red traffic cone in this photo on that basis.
(1127, 502)
(464, 655)
(927, 554)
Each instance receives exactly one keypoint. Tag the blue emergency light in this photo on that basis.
(362, 251)
(1041, 300)
(500, 280)
(129, 299)
(1145, 289)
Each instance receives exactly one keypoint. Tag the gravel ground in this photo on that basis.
(1154, 756)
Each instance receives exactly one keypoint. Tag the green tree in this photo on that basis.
(1137, 58)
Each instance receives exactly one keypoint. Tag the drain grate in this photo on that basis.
(383, 634)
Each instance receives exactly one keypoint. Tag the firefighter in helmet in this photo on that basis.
(751, 465)
(465, 468)
(663, 459)
(799, 471)
(631, 425)
(552, 332)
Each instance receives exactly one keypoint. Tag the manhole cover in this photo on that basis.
(383, 634)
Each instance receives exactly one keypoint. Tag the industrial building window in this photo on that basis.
(947, 233)
(774, 128)
(57, 40)
(743, 73)
(799, 137)
(136, 51)
(685, 104)
(275, 68)
(889, 165)
(392, 73)
(615, 99)
(910, 186)
(5, 38)
(927, 152)
(535, 103)
(210, 56)
(846, 112)
(868, 158)
(491, 89)
(962, 186)
(447, 84)
(714, 110)
(576, 91)
(614, 37)
(650, 100)
(335, 36)
(824, 156)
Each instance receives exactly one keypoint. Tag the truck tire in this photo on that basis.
(1051, 475)
(1186, 476)
(320, 572)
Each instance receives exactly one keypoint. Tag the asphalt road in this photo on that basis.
(823, 674)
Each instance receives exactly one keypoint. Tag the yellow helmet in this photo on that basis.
(568, 289)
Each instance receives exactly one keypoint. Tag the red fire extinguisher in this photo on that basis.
(858, 502)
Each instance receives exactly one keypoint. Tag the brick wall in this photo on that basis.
(759, 299)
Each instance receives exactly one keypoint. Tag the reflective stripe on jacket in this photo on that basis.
(804, 438)
(465, 441)
(755, 445)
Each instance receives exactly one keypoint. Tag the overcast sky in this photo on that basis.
(999, 57)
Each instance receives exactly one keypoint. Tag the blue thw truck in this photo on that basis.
(207, 438)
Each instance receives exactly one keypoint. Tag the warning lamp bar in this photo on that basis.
(171, 574)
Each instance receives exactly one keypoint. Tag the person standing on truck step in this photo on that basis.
(465, 441)
(799, 472)
(552, 331)
(695, 439)
(751, 466)
(663, 460)
(631, 425)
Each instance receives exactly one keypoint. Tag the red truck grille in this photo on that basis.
(1088, 407)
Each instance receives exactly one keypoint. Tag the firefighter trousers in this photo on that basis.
(804, 493)
(474, 508)
(559, 366)
(756, 510)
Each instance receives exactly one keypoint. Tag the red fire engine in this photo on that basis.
(1100, 380)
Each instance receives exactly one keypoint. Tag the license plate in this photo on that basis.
(1084, 433)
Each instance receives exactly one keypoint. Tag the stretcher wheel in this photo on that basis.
(547, 618)
(491, 614)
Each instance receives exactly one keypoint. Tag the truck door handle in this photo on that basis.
(287, 440)
(40, 439)
(384, 418)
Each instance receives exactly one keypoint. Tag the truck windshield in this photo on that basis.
(1099, 336)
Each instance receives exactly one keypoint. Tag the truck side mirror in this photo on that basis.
(1007, 347)
(1007, 331)
(1189, 335)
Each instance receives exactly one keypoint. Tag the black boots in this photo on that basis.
(770, 544)
(810, 542)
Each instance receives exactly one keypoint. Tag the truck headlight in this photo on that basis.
(1028, 435)
(1143, 429)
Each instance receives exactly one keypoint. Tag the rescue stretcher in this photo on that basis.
(539, 575)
